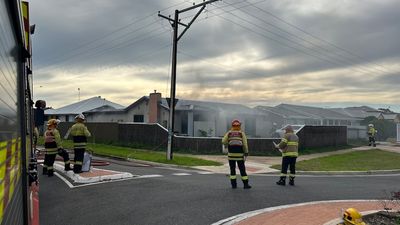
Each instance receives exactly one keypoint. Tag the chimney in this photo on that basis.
(155, 98)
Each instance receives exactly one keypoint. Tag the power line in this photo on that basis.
(325, 53)
(108, 34)
(83, 51)
(282, 43)
(315, 37)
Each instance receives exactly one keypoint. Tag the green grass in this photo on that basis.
(352, 161)
(141, 154)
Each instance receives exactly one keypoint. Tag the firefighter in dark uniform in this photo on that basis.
(289, 148)
(52, 145)
(79, 133)
(236, 141)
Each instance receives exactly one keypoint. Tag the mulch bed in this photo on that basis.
(382, 218)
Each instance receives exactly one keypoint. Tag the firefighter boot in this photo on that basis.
(291, 181)
(282, 181)
(67, 167)
(246, 184)
(233, 183)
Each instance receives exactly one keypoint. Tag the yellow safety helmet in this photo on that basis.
(236, 123)
(53, 122)
(352, 217)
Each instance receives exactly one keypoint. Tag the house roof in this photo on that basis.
(305, 112)
(358, 112)
(212, 106)
(389, 116)
(83, 106)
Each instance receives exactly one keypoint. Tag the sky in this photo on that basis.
(254, 52)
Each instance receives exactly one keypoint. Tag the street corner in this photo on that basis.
(95, 175)
(308, 213)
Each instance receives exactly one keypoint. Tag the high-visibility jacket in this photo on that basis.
(289, 145)
(237, 144)
(79, 133)
(52, 141)
(371, 132)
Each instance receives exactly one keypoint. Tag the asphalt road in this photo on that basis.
(181, 199)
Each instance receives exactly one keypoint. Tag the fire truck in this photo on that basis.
(19, 202)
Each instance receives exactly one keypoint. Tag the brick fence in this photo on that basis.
(155, 137)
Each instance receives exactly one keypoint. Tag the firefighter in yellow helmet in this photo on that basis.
(352, 217)
(236, 141)
(79, 133)
(52, 145)
(289, 148)
(371, 135)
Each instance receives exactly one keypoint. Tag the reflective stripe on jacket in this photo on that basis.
(52, 141)
(237, 144)
(79, 133)
(289, 145)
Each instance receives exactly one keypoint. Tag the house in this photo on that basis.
(306, 115)
(67, 113)
(192, 118)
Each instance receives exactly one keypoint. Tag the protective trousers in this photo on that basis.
(288, 162)
(50, 157)
(78, 159)
(242, 169)
(48, 163)
(372, 141)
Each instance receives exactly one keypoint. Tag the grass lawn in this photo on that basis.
(140, 154)
(353, 161)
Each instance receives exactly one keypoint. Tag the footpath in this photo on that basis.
(262, 164)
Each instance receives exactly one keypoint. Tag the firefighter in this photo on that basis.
(52, 145)
(352, 217)
(79, 133)
(236, 141)
(289, 148)
(371, 135)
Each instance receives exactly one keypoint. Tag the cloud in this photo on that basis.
(255, 49)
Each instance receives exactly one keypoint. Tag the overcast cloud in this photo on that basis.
(255, 52)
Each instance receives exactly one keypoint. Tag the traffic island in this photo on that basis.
(93, 176)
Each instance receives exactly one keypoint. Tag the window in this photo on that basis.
(138, 118)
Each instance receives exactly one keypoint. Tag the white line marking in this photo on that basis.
(70, 185)
(333, 175)
(234, 219)
(149, 176)
(181, 174)
(205, 172)
(65, 180)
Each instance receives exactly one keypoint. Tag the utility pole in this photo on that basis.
(175, 24)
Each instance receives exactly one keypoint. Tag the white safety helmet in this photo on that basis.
(80, 116)
(370, 125)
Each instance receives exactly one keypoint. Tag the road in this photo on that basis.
(174, 196)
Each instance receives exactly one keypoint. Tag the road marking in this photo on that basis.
(204, 172)
(237, 218)
(64, 179)
(181, 174)
(149, 176)
(327, 175)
